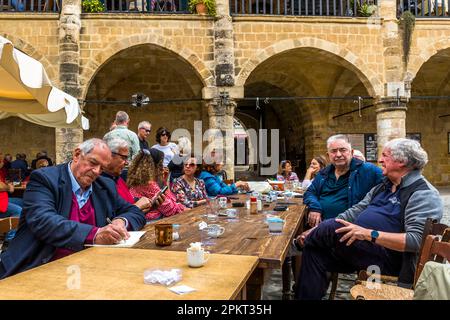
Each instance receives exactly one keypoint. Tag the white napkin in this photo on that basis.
(182, 289)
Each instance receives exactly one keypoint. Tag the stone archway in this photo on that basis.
(94, 65)
(422, 55)
(349, 60)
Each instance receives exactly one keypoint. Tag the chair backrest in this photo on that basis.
(7, 224)
(433, 250)
(14, 175)
(432, 227)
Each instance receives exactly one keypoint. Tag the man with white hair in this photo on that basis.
(341, 184)
(358, 155)
(383, 230)
(119, 156)
(121, 131)
(67, 207)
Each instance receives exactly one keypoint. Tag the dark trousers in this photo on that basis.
(324, 253)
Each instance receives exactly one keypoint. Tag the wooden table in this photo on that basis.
(248, 235)
(118, 273)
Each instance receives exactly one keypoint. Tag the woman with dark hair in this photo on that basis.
(214, 185)
(168, 148)
(285, 172)
(189, 190)
(317, 164)
(145, 179)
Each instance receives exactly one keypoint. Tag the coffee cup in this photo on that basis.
(196, 257)
(231, 213)
(215, 230)
(163, 234)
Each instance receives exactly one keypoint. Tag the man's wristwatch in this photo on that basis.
(374, 235)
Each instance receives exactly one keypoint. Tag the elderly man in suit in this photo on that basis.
(67, 207)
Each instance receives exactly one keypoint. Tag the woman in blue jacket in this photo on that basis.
(214, 185)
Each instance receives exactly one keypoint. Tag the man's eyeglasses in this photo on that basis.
(147, 130)
(341, 150)
(123, 156)
(190, 165)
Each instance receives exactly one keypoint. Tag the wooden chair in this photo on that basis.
(6, 225)
(14, 175)
(431, 228)
(433, 250)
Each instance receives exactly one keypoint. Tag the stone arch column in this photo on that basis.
(221, 113)
(391, 120)
(69, 51)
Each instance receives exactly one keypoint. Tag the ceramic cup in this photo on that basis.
(215, 231)
(197, 258)
(231, 213)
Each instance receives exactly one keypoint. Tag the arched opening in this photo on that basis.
(424, 117)
(156, 72)
(305, 124)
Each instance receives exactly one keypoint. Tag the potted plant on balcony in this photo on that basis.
(202, 7)
(92, 6)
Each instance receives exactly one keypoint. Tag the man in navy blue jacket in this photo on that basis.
(67, 207)
(340, 185)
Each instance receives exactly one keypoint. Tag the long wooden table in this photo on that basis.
(247, 235)
(118, 273)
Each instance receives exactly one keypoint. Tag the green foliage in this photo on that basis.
(407, 23)
(210, 5)
(366, 10)
(92, 6)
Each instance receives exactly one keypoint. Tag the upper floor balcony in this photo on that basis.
(318, 8)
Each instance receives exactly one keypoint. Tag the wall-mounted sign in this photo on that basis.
(371, 148)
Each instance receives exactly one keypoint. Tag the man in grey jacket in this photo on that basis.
(383, 231)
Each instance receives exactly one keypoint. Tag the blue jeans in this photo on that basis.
(14, 210)
(323, 252)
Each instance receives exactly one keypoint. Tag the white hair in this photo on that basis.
(184, 145)
(408, 151)
(343, 137)
(87, 146)
(358, 154)
(143, 124)
(115, 144)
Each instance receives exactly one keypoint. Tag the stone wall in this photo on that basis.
(177, 56)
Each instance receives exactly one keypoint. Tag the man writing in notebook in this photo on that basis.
(67, 207)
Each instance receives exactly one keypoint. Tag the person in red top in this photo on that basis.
(9, 207)
(119, 159)
(146, 178)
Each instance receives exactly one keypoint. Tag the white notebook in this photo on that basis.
(134, 238)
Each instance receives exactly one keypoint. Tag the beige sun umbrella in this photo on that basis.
(26, 92)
